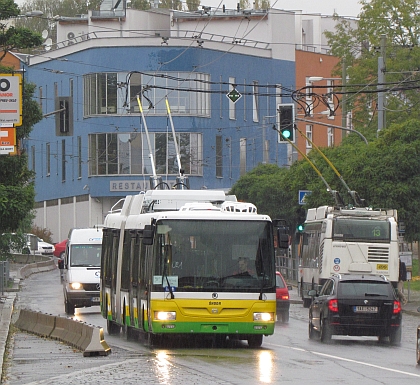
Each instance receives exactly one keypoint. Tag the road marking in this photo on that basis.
(347, 360)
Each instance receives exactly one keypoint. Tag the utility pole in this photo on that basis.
(343, 98)
(381, 81)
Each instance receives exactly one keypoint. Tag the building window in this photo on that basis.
(71, 87)
(330, 136)
(33, 157)
(79, 157)
(309, 136)
(219, 156)
(255, 102)
(232, 108)
(63, 160)
(48, 158)
(40, 98)
(309, 108)
(128, 154)
(242, 156)
(108, 93)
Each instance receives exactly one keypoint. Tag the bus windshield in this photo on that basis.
(361, 230)
(222, 255)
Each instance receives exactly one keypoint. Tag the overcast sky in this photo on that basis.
(324, 7)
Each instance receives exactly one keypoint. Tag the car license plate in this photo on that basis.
(365, 309)
(95, 299)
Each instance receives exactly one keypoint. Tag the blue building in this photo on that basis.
(223, 76)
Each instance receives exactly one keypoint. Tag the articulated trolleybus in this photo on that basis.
(170, 268)
(347, 240)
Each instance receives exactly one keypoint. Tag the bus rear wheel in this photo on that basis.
(112, 328)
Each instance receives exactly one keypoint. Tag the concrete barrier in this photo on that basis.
(60, 329)
(45, 324)
(88, 338)
(36, 267)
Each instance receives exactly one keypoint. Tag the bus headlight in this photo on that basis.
(265, 317)
(76, 285)
(165, 315)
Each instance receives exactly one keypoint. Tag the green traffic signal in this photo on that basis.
(300, 228)
(286, 133)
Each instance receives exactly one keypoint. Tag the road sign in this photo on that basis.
(10, 99)
(7, 140)
(234, 95)
(302, 195)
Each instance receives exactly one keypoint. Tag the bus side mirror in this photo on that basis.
(283, 239)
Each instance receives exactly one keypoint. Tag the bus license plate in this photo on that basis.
(381, 266)
(95, 299)
(365, 309)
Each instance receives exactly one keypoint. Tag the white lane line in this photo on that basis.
(347, 360)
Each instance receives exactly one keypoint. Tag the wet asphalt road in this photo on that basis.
(288, 356)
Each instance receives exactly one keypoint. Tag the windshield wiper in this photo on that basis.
(167, 280)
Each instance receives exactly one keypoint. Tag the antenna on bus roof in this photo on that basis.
(353, 194)
(155, 181)
(182, 180)
(336, 195)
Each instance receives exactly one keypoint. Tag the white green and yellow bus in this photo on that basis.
(347, 240)
(170, 268)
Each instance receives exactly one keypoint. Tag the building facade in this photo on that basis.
(129, 96)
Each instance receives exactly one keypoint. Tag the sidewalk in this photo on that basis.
(7, 302)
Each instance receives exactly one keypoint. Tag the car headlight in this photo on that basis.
(264, 317)
(165, 315)
(76, 285)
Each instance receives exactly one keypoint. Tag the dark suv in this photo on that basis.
(355, 305)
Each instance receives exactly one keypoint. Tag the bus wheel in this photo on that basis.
(155, 339)
(255, 341)
(112, 328)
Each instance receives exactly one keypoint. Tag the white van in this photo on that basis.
(82, 263)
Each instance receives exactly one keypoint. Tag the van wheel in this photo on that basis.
(69, 308)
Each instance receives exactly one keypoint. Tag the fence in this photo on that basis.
(4, 275)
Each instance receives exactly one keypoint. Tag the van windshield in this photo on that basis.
(85, 255)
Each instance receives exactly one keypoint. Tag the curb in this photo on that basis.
(5, 320)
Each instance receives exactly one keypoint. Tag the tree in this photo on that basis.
(17, 192)
(384, 172)
(12, 37)
(140, 4)
(359, 45)
(52, 9)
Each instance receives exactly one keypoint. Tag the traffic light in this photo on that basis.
(287, 122)
(300, 228)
